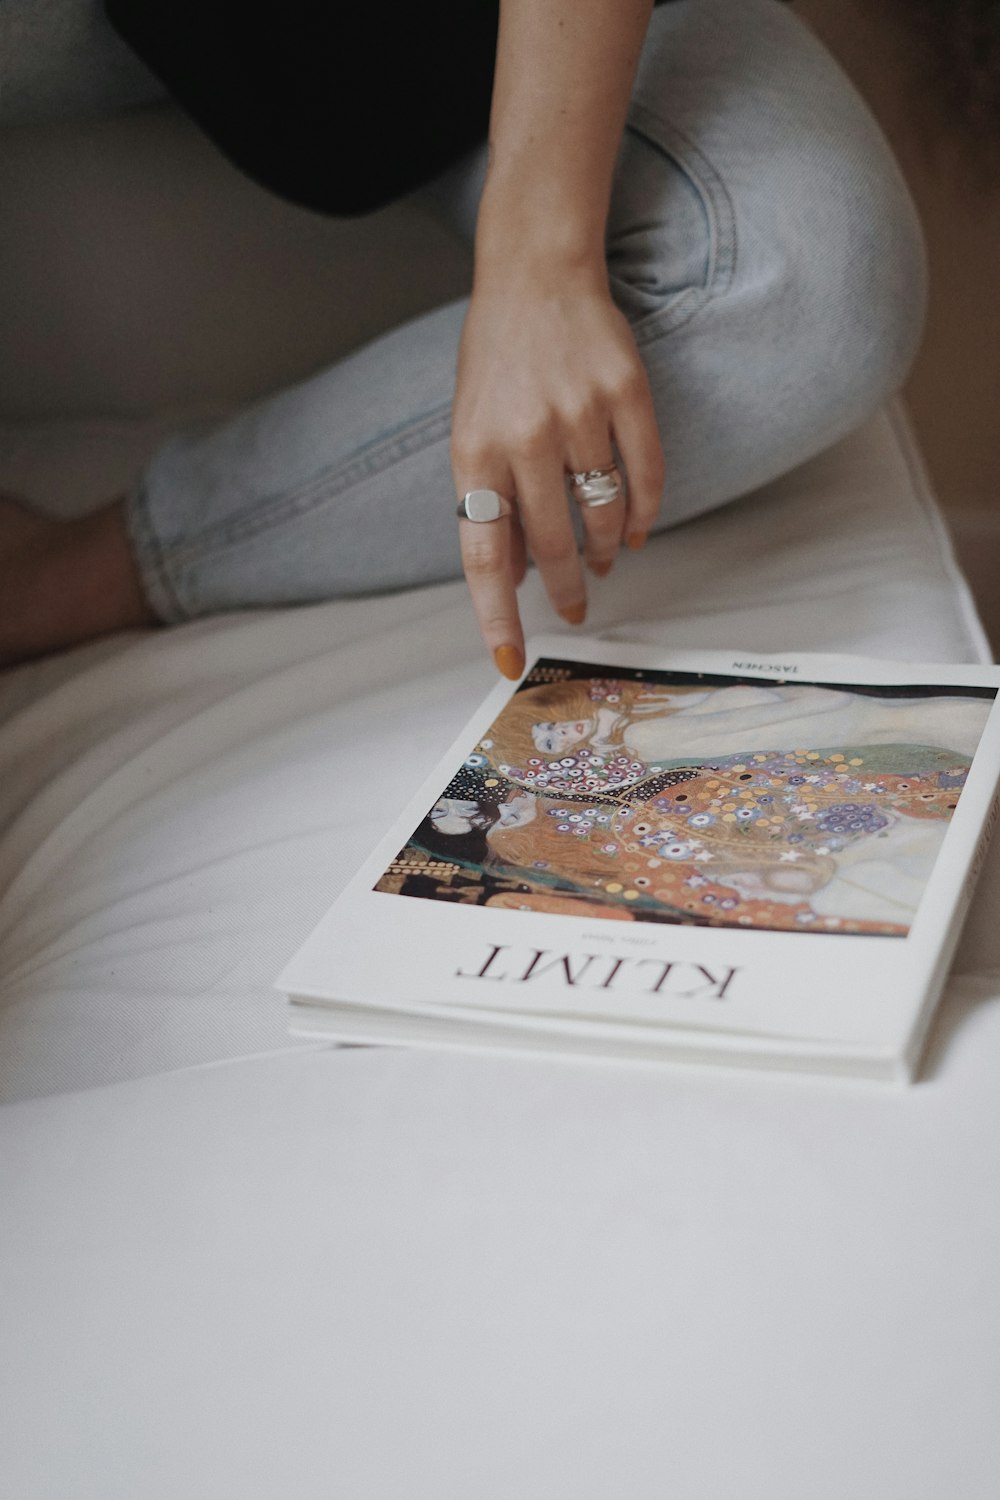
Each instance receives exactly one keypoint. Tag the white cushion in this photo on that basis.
(180, 806)
(386, 1274)
(375, 1273)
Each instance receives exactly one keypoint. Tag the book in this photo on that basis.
(643, 855)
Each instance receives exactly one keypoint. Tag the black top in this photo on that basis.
(340, 108)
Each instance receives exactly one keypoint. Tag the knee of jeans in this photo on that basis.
(859, 277)
(659, 241)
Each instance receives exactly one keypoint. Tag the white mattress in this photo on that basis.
(386, 1275)
(178, 808)
(376, 1274)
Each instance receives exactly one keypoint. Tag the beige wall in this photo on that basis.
(954, 390)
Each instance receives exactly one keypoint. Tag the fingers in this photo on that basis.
(602, 524)
(548, 530)
(589, 424)
(494, 562)
(494, 554)
(518, 549)
(637, 439)
(588, 447)
(549, 378)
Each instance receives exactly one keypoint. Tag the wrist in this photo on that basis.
(544, 250)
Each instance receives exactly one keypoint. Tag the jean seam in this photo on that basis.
(321, 488)
(157, 585)
(719, 211)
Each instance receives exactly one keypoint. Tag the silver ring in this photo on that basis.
(596, 487)
(483, 505)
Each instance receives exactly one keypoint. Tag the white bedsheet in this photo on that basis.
(381, 1275)
(378, 1274)
(178, 808)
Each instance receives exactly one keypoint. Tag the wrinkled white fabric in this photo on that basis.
(380, 1274)
(178, 808)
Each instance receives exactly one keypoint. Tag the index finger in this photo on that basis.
(489, 560)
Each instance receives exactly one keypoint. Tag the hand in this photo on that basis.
(549, 380)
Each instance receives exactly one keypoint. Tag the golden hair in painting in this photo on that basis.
(541, 725)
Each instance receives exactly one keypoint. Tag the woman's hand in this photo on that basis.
(549, 380)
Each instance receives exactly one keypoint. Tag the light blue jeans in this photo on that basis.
(761, 242)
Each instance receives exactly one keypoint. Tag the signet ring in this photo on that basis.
(484, 505)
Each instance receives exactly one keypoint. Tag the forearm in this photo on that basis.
(549, 376)
(564, 75)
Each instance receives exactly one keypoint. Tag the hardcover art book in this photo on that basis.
(700, 856)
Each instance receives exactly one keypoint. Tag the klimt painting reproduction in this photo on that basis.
(700, 799)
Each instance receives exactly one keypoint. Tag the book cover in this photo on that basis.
(704, 856)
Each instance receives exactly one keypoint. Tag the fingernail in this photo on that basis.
(637, 540)
(602, 569)
(510, 662)
(575, 615)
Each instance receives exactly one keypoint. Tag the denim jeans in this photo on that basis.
(764, 248)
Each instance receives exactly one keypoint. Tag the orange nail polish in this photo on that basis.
(601, 569)
(575, 615)
(637, 540)
(510, 662)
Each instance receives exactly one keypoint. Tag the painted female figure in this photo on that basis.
(782, 841)
(749, 803)
(593, 736)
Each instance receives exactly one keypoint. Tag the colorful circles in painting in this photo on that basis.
(852, 817)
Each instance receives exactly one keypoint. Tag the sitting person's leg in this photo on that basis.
(60, 584)
(765, 250)
(807, 307)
